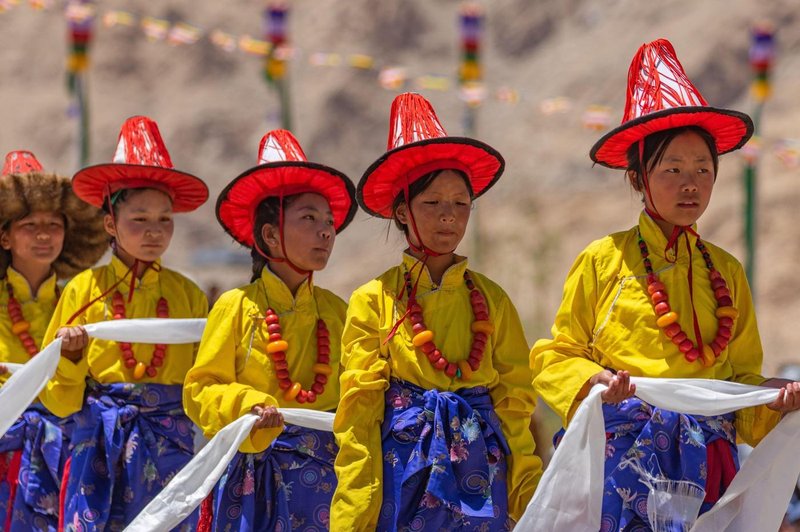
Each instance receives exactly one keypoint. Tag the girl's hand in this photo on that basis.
(268, 417)
(3, 369)
(74, 339)
(619, 386)
(788, 398)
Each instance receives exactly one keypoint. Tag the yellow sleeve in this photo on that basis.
(63, 394)
(212, 397)
(745, 355)
(514, 401)
(357, 426)
(562, 365)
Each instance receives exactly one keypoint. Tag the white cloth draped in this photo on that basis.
(22, 388)
(195, 481)
(570, 493)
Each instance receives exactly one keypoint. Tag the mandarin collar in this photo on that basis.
(278, 295)
(657, 241)
(150, 276)
(452, 277)
(22, 289)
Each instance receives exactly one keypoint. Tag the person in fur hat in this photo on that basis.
(46, 233)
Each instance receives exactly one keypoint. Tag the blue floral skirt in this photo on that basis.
(444, 461)
(644, 441)
(128, 442)
(37, 446)
(288, 487)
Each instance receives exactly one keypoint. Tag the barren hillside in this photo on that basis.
(213, 107)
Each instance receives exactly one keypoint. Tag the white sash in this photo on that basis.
(24, 385)
(195, 481)
(570, 493)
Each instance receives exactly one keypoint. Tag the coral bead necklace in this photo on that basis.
(481, 328)
(19, 325)
(277, 347)
(159, 351)
(667, 319)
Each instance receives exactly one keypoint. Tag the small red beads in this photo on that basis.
(19, 325)
(140, 369)
(667, 319)
(277, 347)
(423, 337)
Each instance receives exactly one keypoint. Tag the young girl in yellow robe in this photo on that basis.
(275, 343)
(433, 422)
(131, 434)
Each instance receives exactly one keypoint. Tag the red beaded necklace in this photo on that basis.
(668, 319)
(19, 325)
(159, 351)
(277, 347)
(481, 328)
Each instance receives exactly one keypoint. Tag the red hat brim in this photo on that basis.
(388, 176)
(94, 183)
(237, 203)
(730, 129)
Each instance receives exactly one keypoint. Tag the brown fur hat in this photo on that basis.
(85, 239)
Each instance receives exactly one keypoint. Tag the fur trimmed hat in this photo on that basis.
(26, 188)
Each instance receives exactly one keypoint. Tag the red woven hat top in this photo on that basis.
(141, 161)
(660, 96)
(418, 145)
(21, 162)
(283, 170)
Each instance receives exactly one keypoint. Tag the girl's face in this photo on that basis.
(681, 183)
(36, 239)
(441, 213)
(142, 225)
(308, 232)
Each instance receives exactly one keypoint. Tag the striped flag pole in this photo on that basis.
(470, 76)
(275, 66)
(762, 54)
(80, 16)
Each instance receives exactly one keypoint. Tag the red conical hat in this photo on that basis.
(660, 96)
(141, 161)
(283, 170)
(418, 145)
(20, 162)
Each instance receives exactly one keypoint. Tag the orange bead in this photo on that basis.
(667, 319)
(280, 345)
(292, 392)
(20, 327)
(708, 356)
(727, 312)
(482, 326)
(466, 370)
(138, 371)
(323, 369)
(422, 338)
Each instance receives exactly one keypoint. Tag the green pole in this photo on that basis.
(750, 174)
(761, 55)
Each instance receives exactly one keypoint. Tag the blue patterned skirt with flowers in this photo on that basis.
(41, 441)
(642, 439)
(288, 487)
(129, 440)
(444, 461)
